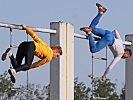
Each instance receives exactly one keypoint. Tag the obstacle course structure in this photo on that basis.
(62, 69)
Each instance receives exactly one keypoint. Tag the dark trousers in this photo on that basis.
(25, 50)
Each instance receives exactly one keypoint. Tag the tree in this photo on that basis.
(105, 89)
(33, 92)
(8, 92)
(122, 95)
(5, 87)
(81, 92)
(46, 90)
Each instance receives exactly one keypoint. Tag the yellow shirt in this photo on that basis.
(42, 50)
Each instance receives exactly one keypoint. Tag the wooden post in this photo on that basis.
(129, 71)
(62, 69)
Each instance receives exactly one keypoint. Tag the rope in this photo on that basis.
(10, 45)
(27, 74)
(106, 57)
(92, 77)
(10, 37)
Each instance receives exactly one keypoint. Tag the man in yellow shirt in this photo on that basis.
(27, 50)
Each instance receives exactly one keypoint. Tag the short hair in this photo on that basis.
(58, 48)
(129, 51)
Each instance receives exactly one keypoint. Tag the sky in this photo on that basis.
(39, 13)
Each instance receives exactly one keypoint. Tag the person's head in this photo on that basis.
(57, 51)
(127, 53)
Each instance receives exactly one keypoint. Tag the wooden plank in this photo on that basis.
(19, 27)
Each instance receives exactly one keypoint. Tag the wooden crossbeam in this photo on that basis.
(84, 36)
(19, 27)
(81, 36)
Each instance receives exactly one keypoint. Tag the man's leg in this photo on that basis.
(8, 53)
(97, 31)
(24, 50)
(28, 52)
(101, 43)
(13, 61)
(12, 73)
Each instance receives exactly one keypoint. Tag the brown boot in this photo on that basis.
(101, 8)
(86, 29)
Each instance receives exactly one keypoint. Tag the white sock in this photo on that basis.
(10, 53)
(101, 12)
